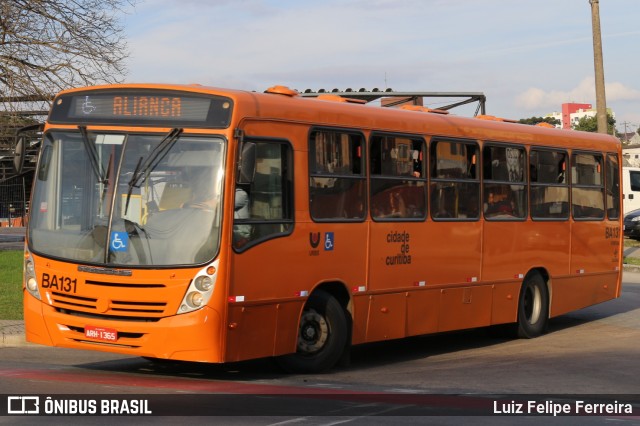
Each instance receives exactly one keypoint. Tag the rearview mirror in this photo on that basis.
(22, 142)
(247, 163)
(18, 154)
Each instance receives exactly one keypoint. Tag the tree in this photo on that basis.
(590, 124)
(535, 120)
(49, 45)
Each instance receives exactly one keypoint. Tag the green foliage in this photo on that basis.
(535, 120)
(11, 285)
(590, 124)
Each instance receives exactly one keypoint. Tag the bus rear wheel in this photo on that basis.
(322, 336)
(533, 307)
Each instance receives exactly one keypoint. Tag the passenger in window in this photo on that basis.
(396, 205)
(498, 206)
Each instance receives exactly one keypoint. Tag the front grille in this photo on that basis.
(73, 300)
(146, 307)
(90, 315)
(119, 306)
(123, 285)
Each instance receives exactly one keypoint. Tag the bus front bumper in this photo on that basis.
(194, 336)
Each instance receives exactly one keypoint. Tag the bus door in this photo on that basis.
(262, 216)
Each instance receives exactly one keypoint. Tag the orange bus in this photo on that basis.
(211, 225)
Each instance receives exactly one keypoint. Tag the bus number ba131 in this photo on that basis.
(612, 232)
(59, 282)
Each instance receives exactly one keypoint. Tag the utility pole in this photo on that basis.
(601, 100)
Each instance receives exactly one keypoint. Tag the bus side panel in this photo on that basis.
(550, 246)
(572, 293)
(286, 335)
(451, 251)
(251, 332)
(505, 302)
(466, 307)
(261, 331)
(593, 278)
(387, 317)
(589, 238)
(501, 240)
(399, 255)
(423, 312)
(360, 313)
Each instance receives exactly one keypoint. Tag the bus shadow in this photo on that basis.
(363, 357)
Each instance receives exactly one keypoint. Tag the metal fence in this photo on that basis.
(14, 201)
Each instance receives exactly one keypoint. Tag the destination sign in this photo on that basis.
(142, 107)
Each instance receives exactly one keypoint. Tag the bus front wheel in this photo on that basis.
(322, 336)
(533, 307)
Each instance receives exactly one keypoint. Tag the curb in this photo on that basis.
(631, 268)
(12, 334)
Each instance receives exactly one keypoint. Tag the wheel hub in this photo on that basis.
(314, 332)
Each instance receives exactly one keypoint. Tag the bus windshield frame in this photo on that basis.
(122, 199)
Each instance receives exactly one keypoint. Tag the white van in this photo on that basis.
(630, 188)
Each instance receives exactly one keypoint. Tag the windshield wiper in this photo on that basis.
(152, 161)
(93, 155)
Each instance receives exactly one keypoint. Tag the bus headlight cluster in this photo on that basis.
(200, 289)
(204, 283)
(30, 281)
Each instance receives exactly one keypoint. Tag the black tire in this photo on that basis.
(533, 307)
(322, 336)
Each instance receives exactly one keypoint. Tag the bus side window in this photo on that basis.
(263, 209)
(337, 181)
(587, 186)
(504, 182)
(455, 183)
(398, 181)
(549, 195)
(613, 187)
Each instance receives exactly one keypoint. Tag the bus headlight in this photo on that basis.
(30, 281)
(32, 285)
(204, 283)
(200, 290)
(195, 299)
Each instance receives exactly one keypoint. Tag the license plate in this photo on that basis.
(101, 333)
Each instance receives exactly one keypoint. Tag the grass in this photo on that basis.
(628, 242)
(11, 285)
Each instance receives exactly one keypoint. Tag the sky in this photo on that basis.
(527, 56)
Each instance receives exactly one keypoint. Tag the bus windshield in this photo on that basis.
(128, 199)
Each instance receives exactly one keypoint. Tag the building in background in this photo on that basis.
(573, 112)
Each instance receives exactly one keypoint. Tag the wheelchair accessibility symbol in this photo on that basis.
(328, 241)
(119, 241)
